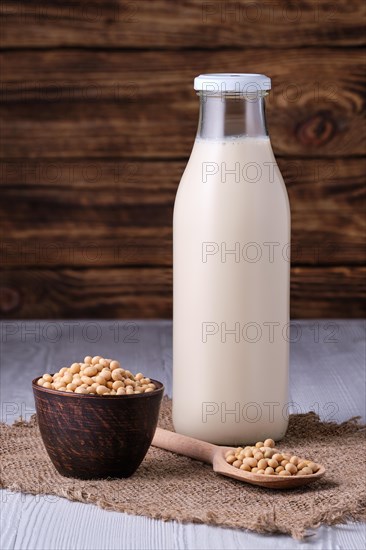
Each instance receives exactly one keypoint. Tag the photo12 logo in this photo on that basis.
(251, 252)
(269, 332)
(90, 332)
(236, 172)
(268, 411)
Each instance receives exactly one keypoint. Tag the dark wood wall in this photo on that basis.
(98, 119)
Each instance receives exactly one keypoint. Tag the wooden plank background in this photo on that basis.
(98, 118)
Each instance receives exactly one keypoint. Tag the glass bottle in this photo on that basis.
(231, 235)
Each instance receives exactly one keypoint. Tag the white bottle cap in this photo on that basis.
(244, 83)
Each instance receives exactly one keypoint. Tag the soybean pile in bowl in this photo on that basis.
(94, 435)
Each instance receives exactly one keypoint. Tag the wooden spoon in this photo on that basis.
(215, 455)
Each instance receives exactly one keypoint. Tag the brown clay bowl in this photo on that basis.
(94, 437)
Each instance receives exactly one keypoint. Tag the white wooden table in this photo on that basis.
(327, 375)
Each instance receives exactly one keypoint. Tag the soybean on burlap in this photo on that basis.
(172, 487)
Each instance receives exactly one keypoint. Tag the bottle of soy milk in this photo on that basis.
(231, 272)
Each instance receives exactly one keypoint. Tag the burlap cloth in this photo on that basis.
(168, 486)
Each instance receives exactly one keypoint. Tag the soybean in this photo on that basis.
(100, 376)
(261, 458)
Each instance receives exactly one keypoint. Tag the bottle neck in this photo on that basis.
(231, 115)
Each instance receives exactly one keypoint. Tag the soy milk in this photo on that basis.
(231, 272)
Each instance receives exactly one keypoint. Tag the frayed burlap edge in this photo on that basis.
(261, 510)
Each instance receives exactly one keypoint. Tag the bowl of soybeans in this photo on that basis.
(97, 419)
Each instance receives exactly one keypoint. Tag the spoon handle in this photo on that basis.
(183, 445)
